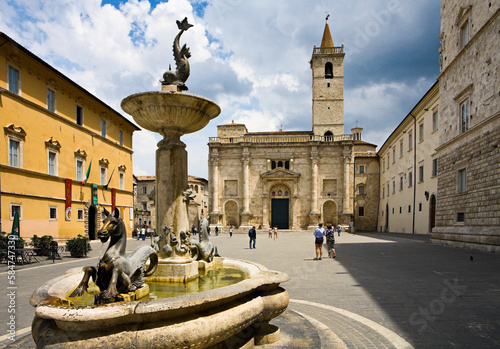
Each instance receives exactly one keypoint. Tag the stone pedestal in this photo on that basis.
(183, 272)
(215, 219)
(139, 293)
(314, 218)
(245, 220)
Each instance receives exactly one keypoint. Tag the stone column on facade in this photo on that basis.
(314, 214)
(347, 210)
(216, 214)
(246, 214)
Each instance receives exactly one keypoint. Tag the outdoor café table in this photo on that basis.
(30, 254)
(25, 255)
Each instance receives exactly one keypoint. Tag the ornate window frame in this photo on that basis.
(17, 134)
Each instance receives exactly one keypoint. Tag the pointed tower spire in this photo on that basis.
(327, 36)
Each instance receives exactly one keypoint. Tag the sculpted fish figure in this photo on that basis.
(181, 55)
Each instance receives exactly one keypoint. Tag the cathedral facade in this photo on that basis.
(294, 179)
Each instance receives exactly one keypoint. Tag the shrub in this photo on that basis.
(42, 244)
(78, 246)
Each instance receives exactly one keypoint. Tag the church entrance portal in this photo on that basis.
(280, 213)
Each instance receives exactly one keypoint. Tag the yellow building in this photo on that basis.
(53, 132)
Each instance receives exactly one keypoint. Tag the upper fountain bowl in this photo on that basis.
(162, 112)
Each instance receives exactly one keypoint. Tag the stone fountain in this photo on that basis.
(172, 113)
(235, 316)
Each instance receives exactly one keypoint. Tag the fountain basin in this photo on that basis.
(160, 111)
(199, 320)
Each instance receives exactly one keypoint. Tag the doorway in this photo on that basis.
(432, 213)
(386, 218)
(280, 213)
(92, 225)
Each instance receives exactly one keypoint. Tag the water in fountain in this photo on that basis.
(213, 279)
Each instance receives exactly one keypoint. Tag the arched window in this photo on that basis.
(280, 164)
(287, 165)
(328, 70)
(273, 165)
(328, 136)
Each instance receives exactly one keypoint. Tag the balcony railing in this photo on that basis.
(328, 50)
(280, 139)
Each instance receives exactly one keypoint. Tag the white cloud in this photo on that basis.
(251, 57)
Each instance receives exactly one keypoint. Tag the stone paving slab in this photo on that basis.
(431, 296)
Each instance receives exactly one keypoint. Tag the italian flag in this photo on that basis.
(87, 174)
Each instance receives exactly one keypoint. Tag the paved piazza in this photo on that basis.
(382, 291)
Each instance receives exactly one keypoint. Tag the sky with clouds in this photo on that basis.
(251, 57)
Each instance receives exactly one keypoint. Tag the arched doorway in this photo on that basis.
(280, 206)
(92, 223)
(231, 213)
(330, 213)
(432, 213)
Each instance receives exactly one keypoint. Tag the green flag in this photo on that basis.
(15, 225)
(87, 174)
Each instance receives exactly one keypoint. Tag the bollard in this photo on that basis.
(53, 250)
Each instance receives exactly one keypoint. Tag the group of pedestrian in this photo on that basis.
(273, 231)
(141, 233)
(319, 236)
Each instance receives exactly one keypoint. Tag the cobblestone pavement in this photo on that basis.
(382, 290)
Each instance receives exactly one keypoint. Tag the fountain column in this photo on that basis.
(171, 180)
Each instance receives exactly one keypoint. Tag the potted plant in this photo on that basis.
(78, 246)
(41, 244)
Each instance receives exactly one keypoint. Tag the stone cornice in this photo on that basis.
(16, 131)
(34, 174)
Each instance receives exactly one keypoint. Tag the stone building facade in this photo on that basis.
(295, 179)
(144, 200)
(408, 170)
(468, 211)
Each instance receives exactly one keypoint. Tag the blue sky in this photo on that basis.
(251, 57)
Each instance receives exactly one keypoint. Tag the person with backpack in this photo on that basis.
(253, 236)
(330, 241)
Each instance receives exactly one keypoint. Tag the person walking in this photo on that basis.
(270, 235)
(339, 229)
(330, 241)
(275, 233)
(143, 233)
(253, 236)
(138, 233)
(319, 234)
(216, 231)
(231, 231)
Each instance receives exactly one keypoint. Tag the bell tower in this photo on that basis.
(327, 64)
